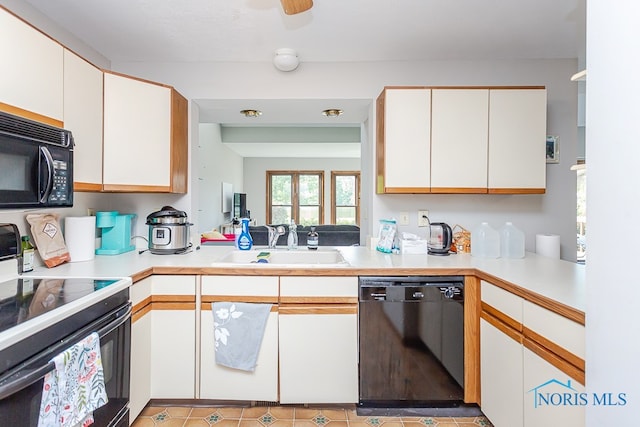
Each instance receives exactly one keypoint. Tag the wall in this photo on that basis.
(255, 179)
(215, 164)
(553, 212)
(612, 136)
(44, 24)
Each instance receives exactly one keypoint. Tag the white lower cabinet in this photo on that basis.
(501, 368)
(318, 358)
(318, 339)
(551, 396)
(140, 379)
(521, 380)
(223, 383)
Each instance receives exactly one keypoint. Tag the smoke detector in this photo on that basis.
(286, 59)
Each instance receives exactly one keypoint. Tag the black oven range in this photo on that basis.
(40, 318)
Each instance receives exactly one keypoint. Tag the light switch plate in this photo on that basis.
(404, 218)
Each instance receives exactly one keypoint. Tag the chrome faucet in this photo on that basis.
(274, 233)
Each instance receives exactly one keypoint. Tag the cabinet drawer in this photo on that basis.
(502, 300)
(345, 289)
(173, 285)
(558, 329)
(240, 285)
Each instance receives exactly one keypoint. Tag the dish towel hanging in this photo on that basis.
(75, 388)
(238, 332)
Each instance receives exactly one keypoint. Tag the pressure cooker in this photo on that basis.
(168, 231)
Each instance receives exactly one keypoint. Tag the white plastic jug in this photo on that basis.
(511, 241)
(485, 241)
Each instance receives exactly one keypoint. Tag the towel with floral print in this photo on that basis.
(238, 328)
(75, 388)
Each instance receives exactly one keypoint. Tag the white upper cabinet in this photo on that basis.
(459, 140)
(517, 134)
(83, 117)
(31, 82)
(403, 145)
(145, 136)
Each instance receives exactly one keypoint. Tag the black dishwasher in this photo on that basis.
(411, 341)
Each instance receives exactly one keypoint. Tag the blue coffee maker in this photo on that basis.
(116, 232)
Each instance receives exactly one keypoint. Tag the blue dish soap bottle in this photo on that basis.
(244, 242)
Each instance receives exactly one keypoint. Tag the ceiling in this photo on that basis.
(332, 31)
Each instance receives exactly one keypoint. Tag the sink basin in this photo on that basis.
(283, 257)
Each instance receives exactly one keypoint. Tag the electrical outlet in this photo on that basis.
(423, 218)
(404, 218)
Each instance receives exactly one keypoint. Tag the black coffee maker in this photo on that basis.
(440, 238)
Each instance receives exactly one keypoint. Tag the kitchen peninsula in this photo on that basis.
(530, 310)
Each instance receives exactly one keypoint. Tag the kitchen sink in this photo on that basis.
(283, 257)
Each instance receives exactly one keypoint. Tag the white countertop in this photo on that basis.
(561, 281)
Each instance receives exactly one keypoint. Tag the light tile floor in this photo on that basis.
(286, 416)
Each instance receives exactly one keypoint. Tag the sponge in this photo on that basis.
(263, 257)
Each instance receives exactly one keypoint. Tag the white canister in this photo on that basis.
(80, 237)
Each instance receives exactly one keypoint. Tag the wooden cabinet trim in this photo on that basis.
(317, 300)
(446, 190)
(173, 305)
(206, 306)
(554, 348)
(17, 111)
(173, 298)
(552, 305)
(318, 309)
(407, 190)
(494, 312)
(516, 191)
(87, 187)
(239, 298)
(140, 312)
(563, 365)
(472, 339)
(502, 327)
(136, 188)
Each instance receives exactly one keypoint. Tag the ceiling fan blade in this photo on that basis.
(292, 7)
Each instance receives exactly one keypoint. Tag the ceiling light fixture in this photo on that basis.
(332, 112)
(286, 59)
(251, 113)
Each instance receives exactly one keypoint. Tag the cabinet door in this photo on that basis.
(137, 134)
(262, 384)
(140, 380)
(83, 117)
(517, 134)
(318, 355)
(220, 382)
(459, 139)
(501, 377)
(173, 339)
(551, 396)
(31, 75)
(140, 385)
(407, 154)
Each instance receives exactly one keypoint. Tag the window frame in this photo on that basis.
(295, 201)
(335, 174)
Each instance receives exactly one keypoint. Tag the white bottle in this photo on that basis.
(292, 238)
(511, 241)
(485, 242)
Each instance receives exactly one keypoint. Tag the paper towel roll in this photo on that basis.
(80, 237)
(548, 245)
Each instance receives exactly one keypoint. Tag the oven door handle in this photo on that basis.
(113, 326)
(25, 381)
(28, 377)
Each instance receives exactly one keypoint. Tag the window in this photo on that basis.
(345, 198)
(295, 195)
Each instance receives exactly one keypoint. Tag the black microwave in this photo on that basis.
(36, 164)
